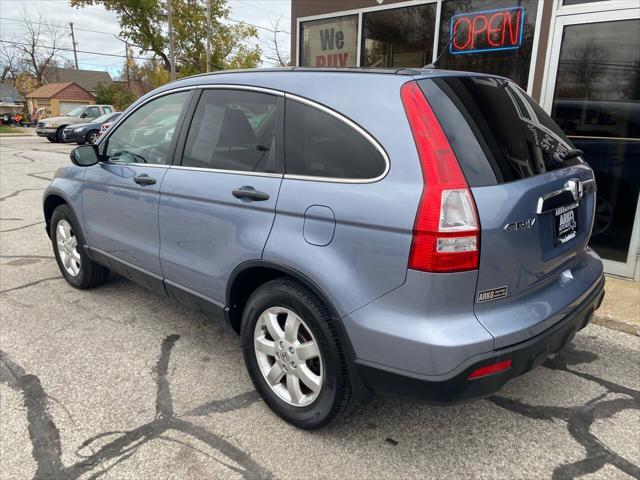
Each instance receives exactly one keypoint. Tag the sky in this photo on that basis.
(262, 13)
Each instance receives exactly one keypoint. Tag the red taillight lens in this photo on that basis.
(446, 235)
(491, 369)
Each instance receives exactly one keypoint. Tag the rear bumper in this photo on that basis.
(525, 356)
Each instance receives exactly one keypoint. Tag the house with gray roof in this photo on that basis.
(87, 79)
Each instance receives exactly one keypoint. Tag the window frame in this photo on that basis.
(182, 137)
(103, 144)
(354, 126)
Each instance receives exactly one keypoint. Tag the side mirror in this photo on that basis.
(84, 155)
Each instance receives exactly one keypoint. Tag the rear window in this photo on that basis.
(318, 144)
(515, 138)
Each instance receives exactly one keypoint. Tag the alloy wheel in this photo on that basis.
(68, 248)
(94, 136)
(288, 356)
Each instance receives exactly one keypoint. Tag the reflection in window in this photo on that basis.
(329, 43)
(401, 37)
(597, 103)
(145, 136)
(233, 130)
(513, 64)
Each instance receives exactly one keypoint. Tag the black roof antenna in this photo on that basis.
(434, 64)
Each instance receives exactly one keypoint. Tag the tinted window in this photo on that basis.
(401, 37)
(318, 144)
(145, 136)
(517, 137)
(233, 130)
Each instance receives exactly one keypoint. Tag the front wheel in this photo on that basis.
(293, 354)
(68, 246)
(53, 139)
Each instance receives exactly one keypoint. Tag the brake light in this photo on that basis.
(491, 369)
(446, 235)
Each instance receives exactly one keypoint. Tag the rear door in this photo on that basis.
(217, 204)
(536, 209)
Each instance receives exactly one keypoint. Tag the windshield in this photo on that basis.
(76, 111)
(517, 137)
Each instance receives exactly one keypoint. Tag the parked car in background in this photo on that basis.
(431, 243)
(105, 126)
(87, 132)
(52, 128)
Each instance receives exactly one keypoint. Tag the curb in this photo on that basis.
(618, 325)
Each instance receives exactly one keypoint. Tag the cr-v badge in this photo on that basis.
(521, 225)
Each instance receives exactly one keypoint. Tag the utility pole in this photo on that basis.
(73, 40)
(172, 55)
(126, 63)
(208, 33)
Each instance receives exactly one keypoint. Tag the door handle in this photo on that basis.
(250, 193)
(144, 179)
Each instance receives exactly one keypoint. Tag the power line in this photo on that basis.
(33, 22)
(259, 26)
(260, 8)
(71, 50)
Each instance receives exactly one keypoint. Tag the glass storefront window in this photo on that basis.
(597, 104)
(400, 37)
(331, 42)
(490, 36)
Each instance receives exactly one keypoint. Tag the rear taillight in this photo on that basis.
(446, 235)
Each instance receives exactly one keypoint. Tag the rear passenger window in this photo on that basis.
(318, 144)
(233, 130)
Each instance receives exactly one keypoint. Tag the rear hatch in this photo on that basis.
(535, 199)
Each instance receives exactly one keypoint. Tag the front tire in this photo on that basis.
(293, 354)
(68, 246)
(53, 139)
(59, 138)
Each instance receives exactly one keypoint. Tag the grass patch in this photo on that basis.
(8, 129)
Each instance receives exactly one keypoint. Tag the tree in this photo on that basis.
(38, 46)
(115, 94)
(144, 24)
(276, 53)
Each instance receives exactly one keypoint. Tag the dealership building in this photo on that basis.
(580, 59)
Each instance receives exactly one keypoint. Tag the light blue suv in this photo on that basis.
(415, 232)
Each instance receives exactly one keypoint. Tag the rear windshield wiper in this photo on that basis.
(573, 153)
(559, 158)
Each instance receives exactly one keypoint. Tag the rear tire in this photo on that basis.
(311, 387)
(68, 246)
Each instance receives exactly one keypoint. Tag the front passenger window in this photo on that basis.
(145, 136)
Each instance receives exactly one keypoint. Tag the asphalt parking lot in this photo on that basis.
(119, 383)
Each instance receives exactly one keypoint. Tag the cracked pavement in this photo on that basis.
(118, 383)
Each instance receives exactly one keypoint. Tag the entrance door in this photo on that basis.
(593, 93)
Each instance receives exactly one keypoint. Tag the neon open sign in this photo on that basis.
(487, 31)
